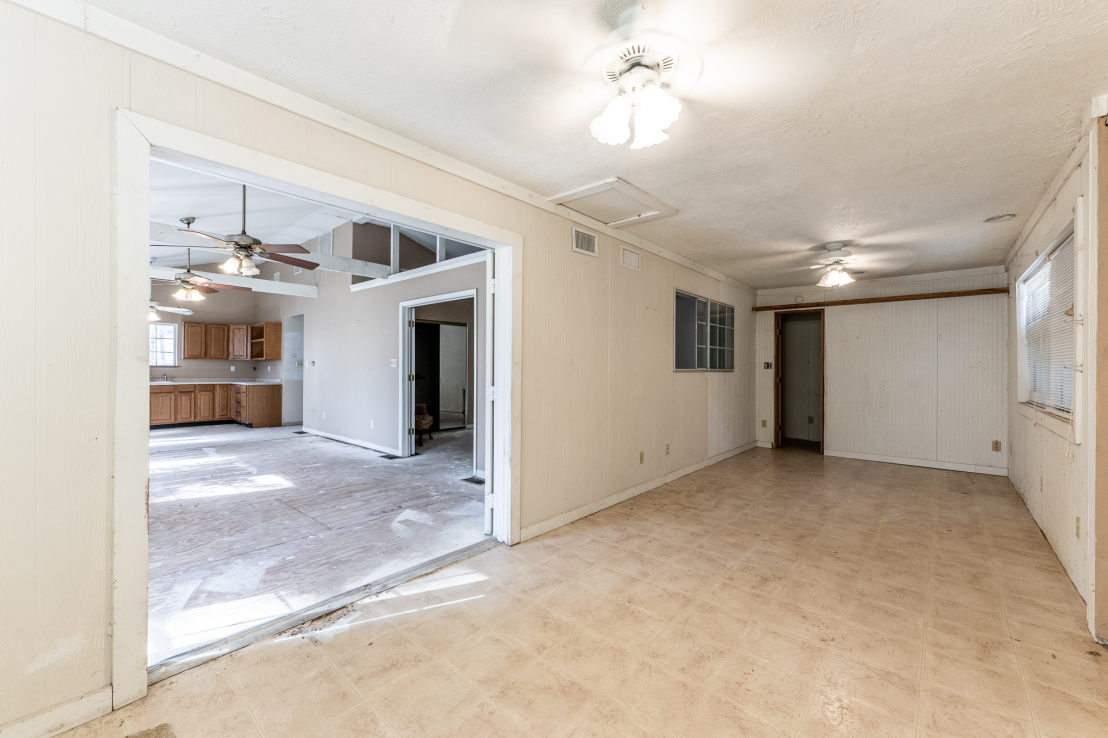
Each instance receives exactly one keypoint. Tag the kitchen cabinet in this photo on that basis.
(195, 344)
(265, 341)
(256, 405)
(240, 342)
(218, 343)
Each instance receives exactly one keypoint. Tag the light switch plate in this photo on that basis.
(393, 362)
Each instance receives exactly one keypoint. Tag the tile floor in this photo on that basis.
(773, 594)
(248, 525)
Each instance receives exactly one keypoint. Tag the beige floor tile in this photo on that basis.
(880, 648)
(997, 652)
(1058, 615)
(373, 664)
(567, 564)
(716, 621)
(440, 629)
(989, 622)
(776, 696)
(588, 658)
(801, 656)
(534, 583)
(483, 721)
(906, 598)
(718, 718)
(608, 581)
(747, 603)
(847, 680)
(681, 578)
(361, 722)
(657, 695)
(829, 718)
(302, 704)
(1001, 689)
(815, 625)
(424, 701)
(536, 628)
(629, 626)
(1063, 711)
(1085, 676)
(949, 714)
(690, 653)
(542, 698)
(827, 575)
(184, 700)
(272, 661)
(236, 723)
(1060, 640)
(812, 596)
(665, 603)
(884, 617)
(603, 718)
(487, 659)
(495, 605)
(576, 603)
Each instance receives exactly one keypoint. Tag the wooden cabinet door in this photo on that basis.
(272, 351)
(195, 342)
(223, 402)
(239, 412)
(205, 402)
(186, 407)
(218, 341)
(240, 342)
(161, 407)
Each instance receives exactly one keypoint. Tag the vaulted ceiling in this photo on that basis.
(896, 126)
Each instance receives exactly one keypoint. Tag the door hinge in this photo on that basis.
(411, 324)
(411, 431)
(492, 286)
(491, 393)
(411, 377)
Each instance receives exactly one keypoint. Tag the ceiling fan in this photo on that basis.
(193, 287)
(245, 248)
(156, 308)
(834, 262)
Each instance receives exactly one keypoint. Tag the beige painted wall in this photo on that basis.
(593, 385)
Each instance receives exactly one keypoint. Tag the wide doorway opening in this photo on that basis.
(799, 393)
(282, 481)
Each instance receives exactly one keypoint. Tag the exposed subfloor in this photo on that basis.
(248, 525)
(773, 594)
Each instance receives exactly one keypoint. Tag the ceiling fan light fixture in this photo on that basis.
(611, 127)
(231, 266)
(647, 135)
(655, 108)
(248, 267)
(153, 315)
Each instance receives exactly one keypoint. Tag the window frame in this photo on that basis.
(176, 345)
(1024, 289)
(705, 350)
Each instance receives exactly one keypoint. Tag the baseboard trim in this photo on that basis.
(546, 526)
(62, 717)
(764, 444)
(947, 465)
(353, 441)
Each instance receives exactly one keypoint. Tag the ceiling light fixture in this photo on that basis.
(834, 262)
(231, 266)
(188, 294)
(637, 60)
(248, 268)
(1000, 218)
(153, 315)
(835, 276)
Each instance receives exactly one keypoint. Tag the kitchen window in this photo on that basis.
(163, 344)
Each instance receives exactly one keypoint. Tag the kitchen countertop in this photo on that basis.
(215, 381)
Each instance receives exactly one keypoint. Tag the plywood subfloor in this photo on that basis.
(250, 525)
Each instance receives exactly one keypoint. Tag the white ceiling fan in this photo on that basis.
(156, 308)
(193, 287)
(834, 264)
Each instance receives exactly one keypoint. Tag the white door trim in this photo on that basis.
(137, 138)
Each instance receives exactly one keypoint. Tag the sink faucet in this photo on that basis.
(165, 377)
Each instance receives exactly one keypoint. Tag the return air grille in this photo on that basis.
(584, 242)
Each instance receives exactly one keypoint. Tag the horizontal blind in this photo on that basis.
(1048, 331)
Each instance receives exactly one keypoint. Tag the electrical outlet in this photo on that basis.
(640, 456)
(325, 416)
(269, 368)
(232, 367)
(768, 365)
(393, 362)
(667, 449)
(996, 445)
(763, 424)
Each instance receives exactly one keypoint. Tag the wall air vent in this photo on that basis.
(631, 259)
(585, 242)
(325, 243)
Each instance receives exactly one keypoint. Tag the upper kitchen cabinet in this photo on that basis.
(218, 343)
(240, 342)
(265, 341)
(195, 341)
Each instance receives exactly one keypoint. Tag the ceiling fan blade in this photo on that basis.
(291, 261)
(283, 248)
(175, 246)
(180, 311)
(206, 235)
(163, 281)
(205, 289)
(230, 287)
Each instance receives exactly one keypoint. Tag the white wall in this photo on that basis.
(918, 382)
(592, 381)
(1052, 473)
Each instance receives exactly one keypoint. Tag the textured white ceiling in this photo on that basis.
(896, 126)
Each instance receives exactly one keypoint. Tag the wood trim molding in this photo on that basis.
(892, 298)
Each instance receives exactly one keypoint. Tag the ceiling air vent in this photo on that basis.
(584, 242)
(632, 259)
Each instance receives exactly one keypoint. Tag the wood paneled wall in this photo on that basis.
(594, 388)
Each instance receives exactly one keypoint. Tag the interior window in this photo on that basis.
(1047, 327)
(703, 334)
(163, 344)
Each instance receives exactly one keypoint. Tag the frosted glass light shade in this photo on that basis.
(655, 108)
(611, 126)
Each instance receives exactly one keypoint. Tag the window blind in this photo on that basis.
(1048, 331)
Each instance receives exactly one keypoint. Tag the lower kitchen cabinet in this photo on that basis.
(256, 405)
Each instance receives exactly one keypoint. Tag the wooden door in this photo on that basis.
(219, 341)
(223, 402)
(195, 343)
(205, 402)
(161, 407)
(240, 342)
(186, 407)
